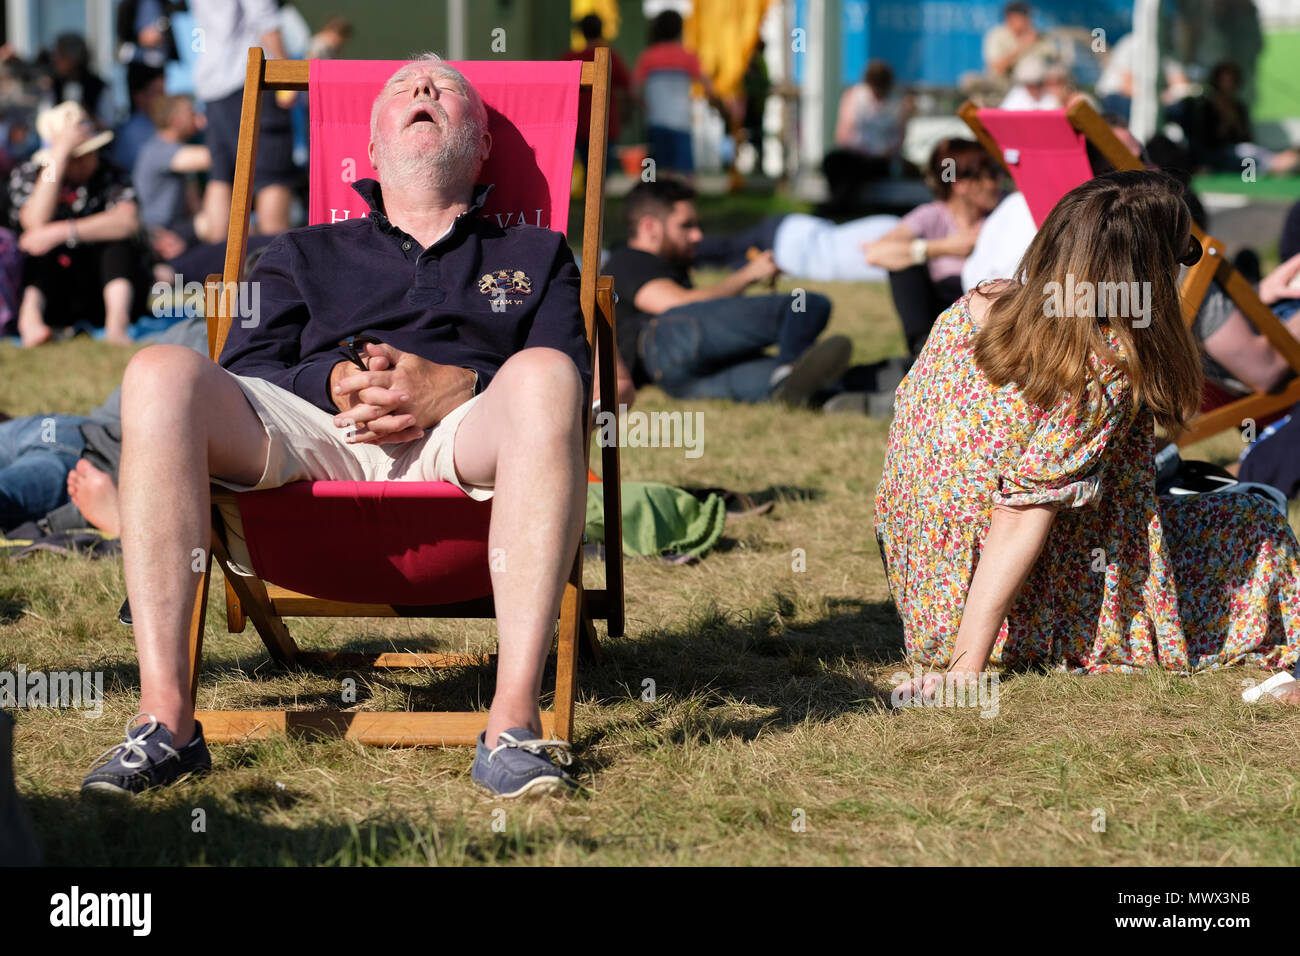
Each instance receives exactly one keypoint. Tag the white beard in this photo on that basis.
(452, 165)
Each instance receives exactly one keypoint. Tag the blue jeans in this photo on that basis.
(34, 470)
(715, 349)
(671, 149)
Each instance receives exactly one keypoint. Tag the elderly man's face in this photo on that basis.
(426, 125)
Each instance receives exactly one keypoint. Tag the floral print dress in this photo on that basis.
(1125, 580)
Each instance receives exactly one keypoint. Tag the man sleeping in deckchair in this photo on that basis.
(454, 389)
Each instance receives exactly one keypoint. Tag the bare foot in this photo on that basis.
(34, 333)
(95, 496)
(1292, 695)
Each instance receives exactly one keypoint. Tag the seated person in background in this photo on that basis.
(1010, 41)
(1219, 130)
(711, 342)
(59, 470)
(1231, 340)
(170, 202)
(924, 253)
(1024, 440)
(868, 134)
(1038, 86)
(71, 77)
(458, 391)
(78, 220)
(146, 85)
(803, 247)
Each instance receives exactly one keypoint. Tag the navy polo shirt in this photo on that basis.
(323, 283)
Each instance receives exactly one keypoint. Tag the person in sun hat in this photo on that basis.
(76, 217)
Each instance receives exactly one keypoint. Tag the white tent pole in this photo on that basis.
(1146, 69)
(456, 29)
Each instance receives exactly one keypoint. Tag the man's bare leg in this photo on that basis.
(525, 436)
(272, 207)
(183, 419)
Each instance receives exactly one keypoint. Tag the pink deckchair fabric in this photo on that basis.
(533, 119)
(408, 543)
(1046, 155)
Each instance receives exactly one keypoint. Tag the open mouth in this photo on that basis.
(422, 114)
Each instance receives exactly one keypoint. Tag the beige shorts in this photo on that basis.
(304, 444)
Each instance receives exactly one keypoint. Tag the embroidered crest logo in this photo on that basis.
(503, 284)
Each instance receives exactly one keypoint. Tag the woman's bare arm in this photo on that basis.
(1015, 537)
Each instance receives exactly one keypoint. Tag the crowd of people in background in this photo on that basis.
(102, 204)
(101, 201)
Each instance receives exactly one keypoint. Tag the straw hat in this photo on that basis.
(50, 123)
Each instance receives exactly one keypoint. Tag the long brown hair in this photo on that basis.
(1126, 228)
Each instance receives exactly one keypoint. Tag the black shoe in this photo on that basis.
(818, 368)
(146, 759)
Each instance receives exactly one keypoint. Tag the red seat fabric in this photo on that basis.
(373, 542)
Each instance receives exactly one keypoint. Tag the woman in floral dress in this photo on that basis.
(1017, 514)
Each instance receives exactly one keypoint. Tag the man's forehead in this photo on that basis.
(412, 70)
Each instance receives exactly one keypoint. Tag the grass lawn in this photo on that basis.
(770, 740)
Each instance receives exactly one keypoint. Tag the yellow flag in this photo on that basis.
(723, 34)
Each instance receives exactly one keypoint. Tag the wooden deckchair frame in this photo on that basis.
(1214, 265)
(268, 605)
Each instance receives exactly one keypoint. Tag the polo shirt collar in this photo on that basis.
(372, 193)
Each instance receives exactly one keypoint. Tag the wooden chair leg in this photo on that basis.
(589, 649)
(566, 655)
(198, 617)
(257, 606)
(235, 619)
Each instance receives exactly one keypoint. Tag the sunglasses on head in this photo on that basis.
(1193, 253)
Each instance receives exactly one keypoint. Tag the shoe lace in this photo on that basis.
(561, 747)
(134, 756)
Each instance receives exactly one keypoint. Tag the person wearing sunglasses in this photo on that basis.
(925, 252)
(1017, 514)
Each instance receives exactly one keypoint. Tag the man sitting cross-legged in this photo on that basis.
(458, 391)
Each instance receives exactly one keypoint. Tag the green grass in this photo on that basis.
(1276, 87)
(772, 705)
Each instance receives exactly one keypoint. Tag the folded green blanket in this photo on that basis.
(659, 519)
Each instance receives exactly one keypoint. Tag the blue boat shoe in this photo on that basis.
(519, 764)
(146, 759)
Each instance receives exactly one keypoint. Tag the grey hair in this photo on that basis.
(445, 69)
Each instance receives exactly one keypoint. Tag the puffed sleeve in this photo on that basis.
(1062, 462)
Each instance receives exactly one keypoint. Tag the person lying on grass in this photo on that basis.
(1017, 514)
(286, 404)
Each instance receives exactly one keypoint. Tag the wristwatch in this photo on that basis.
(71, 241)
(918, 251)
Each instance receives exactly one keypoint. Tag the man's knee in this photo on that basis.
(818, 306)
(540, 379)
(161, 374)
